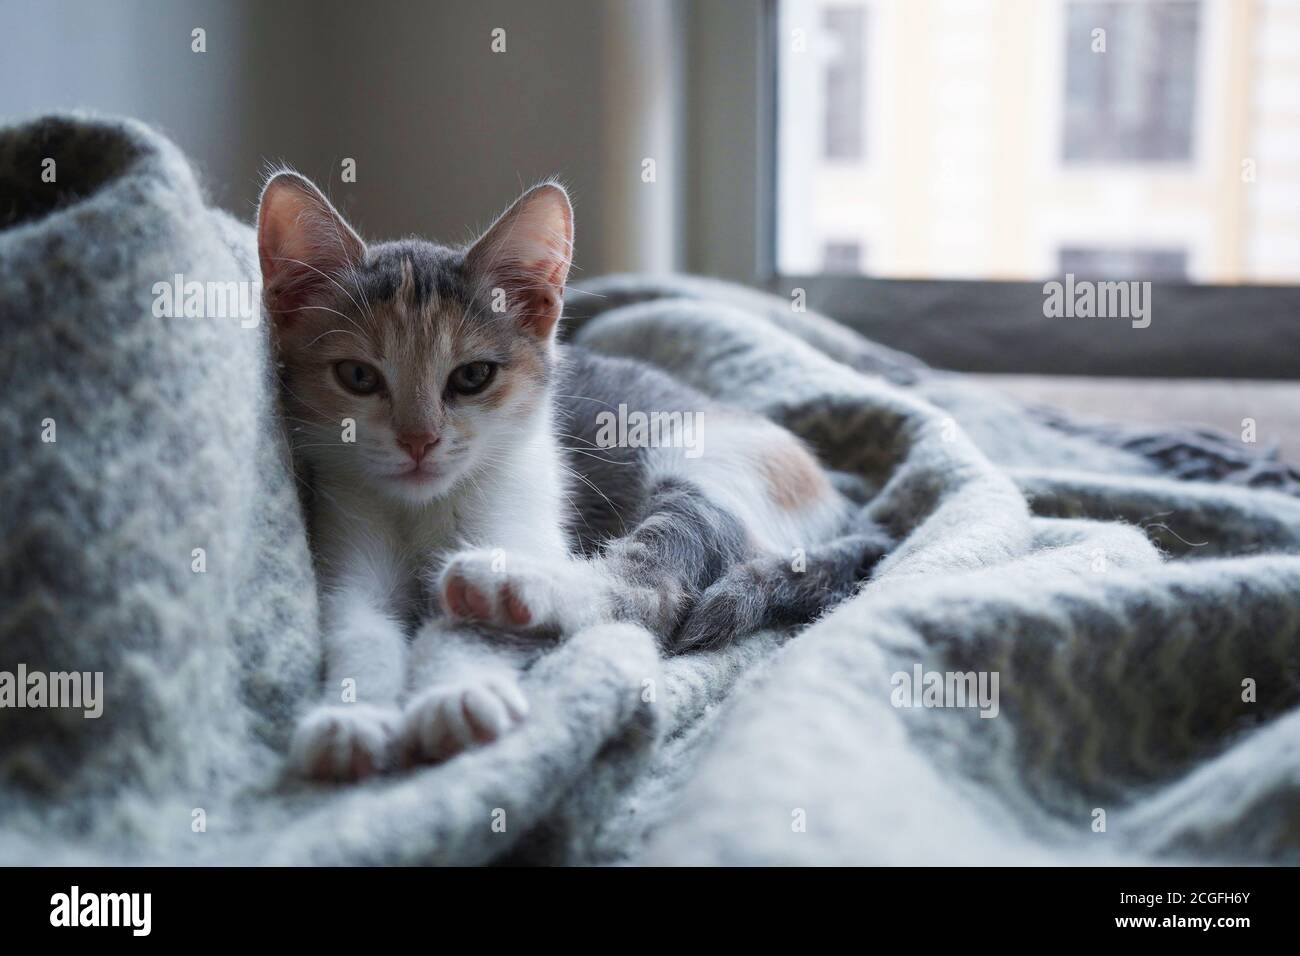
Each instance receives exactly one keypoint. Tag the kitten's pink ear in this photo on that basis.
(303, 244)
(527, 253)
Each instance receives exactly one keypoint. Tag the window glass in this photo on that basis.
(1011, 139)
(1135, 103)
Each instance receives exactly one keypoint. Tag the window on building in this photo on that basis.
(842, 258)
(1154, 265)
(843, 29)
(1130, 90)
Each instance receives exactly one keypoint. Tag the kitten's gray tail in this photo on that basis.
(779, 591)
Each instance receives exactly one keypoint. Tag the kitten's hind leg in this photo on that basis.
(774, 590)
(684, 543)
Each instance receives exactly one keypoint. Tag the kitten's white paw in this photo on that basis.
(442, 721)
(345, 741)
(521, 594)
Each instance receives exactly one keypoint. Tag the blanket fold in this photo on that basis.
(1130, 637)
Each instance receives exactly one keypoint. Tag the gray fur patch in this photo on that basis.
(688, 571)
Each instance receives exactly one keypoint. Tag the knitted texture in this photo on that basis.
(1121, 609)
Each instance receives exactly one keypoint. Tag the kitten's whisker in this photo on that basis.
(587, 398)
(333, 332)
(352, 270)
(323, 276)
(586, 481)
(325, 308)
(589, 444)
(303, 402)
(608, 461)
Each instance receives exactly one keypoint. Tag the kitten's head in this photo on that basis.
(441, 357)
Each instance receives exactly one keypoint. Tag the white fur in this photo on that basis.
(471, 528)
(343, 742)
(729, 474)
(444, 719)
(380, 561)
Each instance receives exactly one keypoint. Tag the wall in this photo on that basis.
(444, 131)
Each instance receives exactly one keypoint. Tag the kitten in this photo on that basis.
(461, 481)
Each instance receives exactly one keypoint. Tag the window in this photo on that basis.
(843, 28)
(1149, 264)
(842, 257)
(1130, 92)
(978, 139)
(962, 202)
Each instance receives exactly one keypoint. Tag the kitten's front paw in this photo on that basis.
(515, 593)
(345, 741)
(442, 721)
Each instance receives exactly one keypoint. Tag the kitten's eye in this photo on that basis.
(358, 377)
(472, 378)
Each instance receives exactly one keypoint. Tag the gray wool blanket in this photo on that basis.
(1143, 630)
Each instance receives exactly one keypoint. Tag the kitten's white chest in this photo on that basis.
(394, 548)
(436, 529)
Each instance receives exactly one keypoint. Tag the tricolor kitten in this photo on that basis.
(475, 496)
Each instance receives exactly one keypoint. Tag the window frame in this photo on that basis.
(1197, 331)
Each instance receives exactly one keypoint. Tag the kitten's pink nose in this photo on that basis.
(417, 445)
